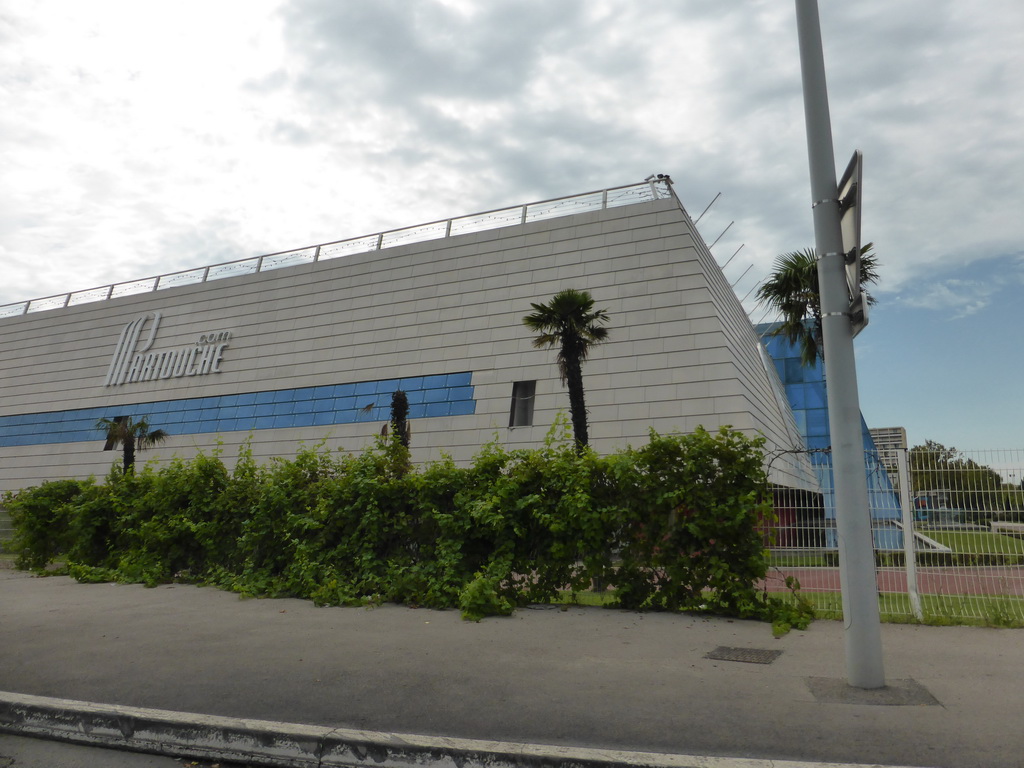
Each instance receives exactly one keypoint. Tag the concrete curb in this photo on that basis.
(262, 742)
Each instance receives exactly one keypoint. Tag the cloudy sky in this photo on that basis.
(138, 139)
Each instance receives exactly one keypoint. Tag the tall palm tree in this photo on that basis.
(792, 291)
(131, 436)
(570, 322)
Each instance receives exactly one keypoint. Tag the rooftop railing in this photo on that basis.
(654, 188)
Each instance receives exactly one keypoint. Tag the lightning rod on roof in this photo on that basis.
(708, 208)
(720, 236)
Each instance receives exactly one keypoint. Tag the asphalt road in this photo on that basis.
(581, 677)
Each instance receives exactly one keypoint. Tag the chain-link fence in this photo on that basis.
(948, 530)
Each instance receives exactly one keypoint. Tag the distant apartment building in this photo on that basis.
(887, 441)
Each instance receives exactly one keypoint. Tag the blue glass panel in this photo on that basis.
(175, 405)
(245, 411)
(249, 398)
(794, 370)
(436, 396)
(265, 409)
(323, 417)
(387, 386)
(173, 418)
(303, 419)
(284, 395)
(438, 409)
(187, 428)
(284, 420)
(412, 383)
(320, 393)
(263, 422)
(458, 379)
(305, 406)
(229, 412)
(463, 407)
(304, 393)
(460, 393)
(366, 388)
(816, 397)
(342, 403)
(284, 409)
(264, 397)
(433, 382)
(817, 422)
(795, 394)
(801, 421)
(416, 396)
(344, 390)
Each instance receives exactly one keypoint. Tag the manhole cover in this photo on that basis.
(749, 655)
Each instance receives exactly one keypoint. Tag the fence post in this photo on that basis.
(909, 555)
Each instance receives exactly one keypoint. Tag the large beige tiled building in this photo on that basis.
(307, 346)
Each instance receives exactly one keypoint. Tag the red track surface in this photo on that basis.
(1006, 580)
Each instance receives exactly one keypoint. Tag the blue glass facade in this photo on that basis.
(441, 395)
(807, 395)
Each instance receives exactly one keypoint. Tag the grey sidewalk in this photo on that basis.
(582, 678)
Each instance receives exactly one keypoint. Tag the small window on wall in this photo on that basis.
(521, 414)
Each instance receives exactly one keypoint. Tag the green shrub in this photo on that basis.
(673, 525)
(41, 520)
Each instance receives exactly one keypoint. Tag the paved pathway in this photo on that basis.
(575, 679)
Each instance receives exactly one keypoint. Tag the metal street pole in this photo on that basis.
(863, 633)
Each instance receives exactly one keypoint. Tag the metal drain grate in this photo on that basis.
(749, 655)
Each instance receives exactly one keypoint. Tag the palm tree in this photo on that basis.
(792, 291)
(570, 322)
(131, 436)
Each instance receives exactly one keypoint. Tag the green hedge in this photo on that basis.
(672, 525)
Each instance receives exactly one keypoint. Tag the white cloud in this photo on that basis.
(958, 298)
(131, 145)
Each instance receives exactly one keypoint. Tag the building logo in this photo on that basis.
(134, 362)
